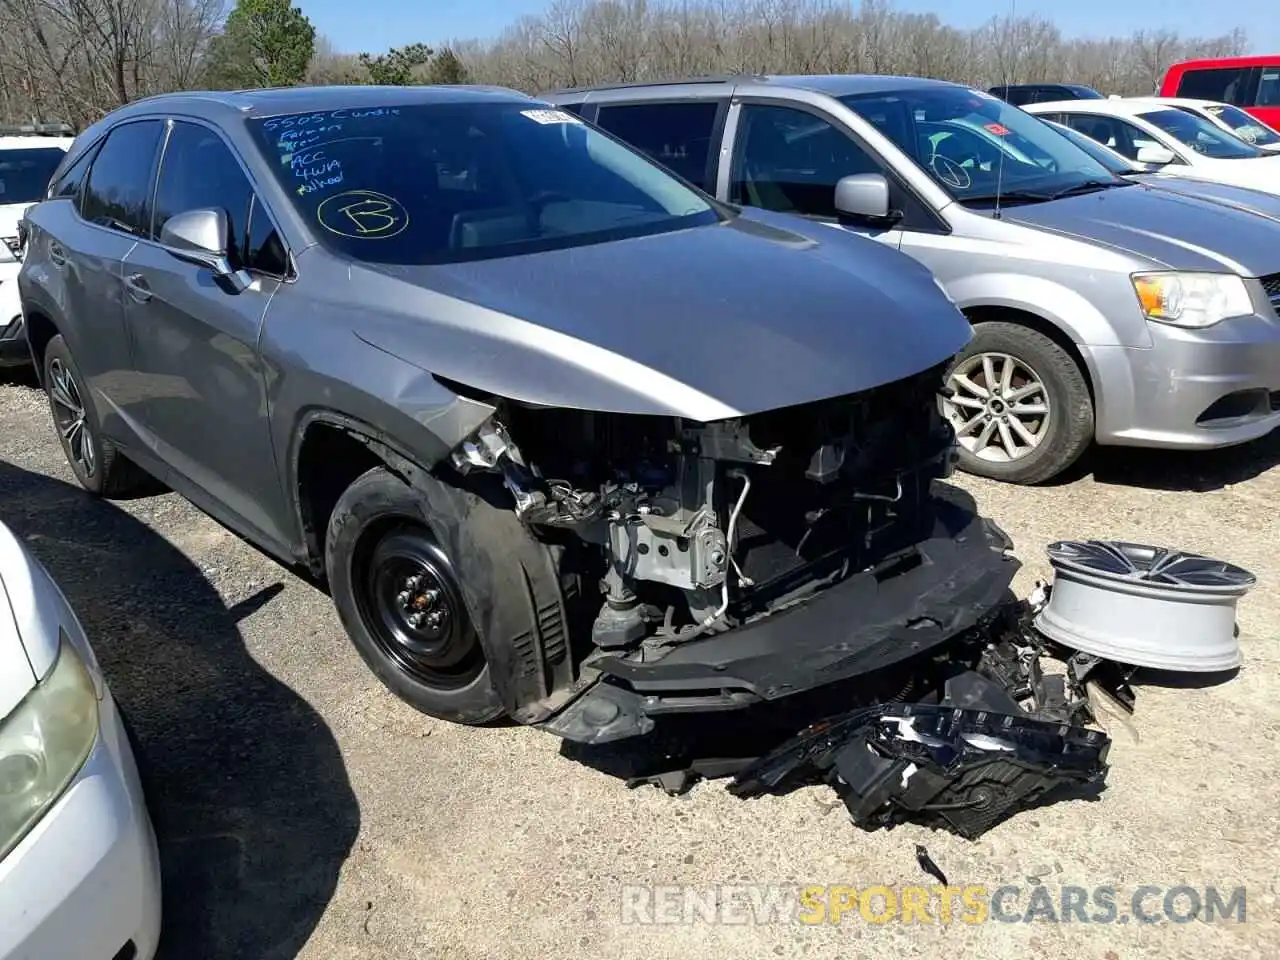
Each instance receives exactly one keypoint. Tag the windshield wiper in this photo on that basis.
(1009, 196)
(1086, 186)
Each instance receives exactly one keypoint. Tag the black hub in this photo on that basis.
(413, 607)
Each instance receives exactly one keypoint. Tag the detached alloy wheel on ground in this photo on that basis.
(97, 464)
(398, 596)
(1020, 405)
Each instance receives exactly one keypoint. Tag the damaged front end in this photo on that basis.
(744, 560)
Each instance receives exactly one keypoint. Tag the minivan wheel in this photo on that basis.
(397, 594)
(99, 467)
(1020, 405)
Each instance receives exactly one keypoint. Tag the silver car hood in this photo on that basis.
(1241, 198)
(1173, 230)
(755, 314)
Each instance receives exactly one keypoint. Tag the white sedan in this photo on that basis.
(79, 870)
(1230, 118)
(1180, 143)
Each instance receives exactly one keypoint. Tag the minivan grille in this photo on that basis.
(1271, 284)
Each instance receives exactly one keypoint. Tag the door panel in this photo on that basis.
(200, 379)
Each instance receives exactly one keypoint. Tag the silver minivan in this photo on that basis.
(1103, 309)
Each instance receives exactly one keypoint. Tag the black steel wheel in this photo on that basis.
(411, 600)
(400, 600)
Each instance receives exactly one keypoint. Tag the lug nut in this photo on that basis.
(402, 598)
(435, 619)
(430, 597)
(415, 620)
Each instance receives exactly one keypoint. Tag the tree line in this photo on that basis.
(75, 60)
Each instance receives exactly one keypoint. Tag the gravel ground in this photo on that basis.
(303, 811)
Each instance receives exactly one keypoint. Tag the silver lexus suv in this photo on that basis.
(1103, 309)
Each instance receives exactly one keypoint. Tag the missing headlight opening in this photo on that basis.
(699, 528)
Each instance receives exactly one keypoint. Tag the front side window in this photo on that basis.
(449, 182)
(1248, 128)
(999, 149)
(1225, 84)
(1200, 135)
(1121, 136)
(116, 195)
(25, 174)
(198, 172)
(790, 160)
(1269, 88)
(677, 135)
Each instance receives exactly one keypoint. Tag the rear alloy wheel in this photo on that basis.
(399, 598)
(98, 466)
(1019, 405)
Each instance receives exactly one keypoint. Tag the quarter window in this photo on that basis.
(1225, 84)
(264, 250)
(677, 135)
(116, 194)
(198, 172)
(790, 160)
(68, 185)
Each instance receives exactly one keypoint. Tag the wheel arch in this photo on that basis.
(40, 330)
(990, 312)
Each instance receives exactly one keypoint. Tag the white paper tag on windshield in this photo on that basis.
(551, 116)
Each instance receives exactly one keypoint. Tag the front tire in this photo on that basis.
(98, 466)
(1020, 407)
(399, 598)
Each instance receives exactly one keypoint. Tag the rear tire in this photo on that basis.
(398, 596)
(96, 462)
(1033, 420)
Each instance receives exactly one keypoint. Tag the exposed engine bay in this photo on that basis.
(697, 528)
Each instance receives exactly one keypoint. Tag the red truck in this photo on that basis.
(1251, 83)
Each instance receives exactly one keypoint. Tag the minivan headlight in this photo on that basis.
(43, 744)
(1193, 300)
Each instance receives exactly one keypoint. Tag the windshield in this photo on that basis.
(969, 141)
(1247, 128)
(25, 174)
(1200, 135)
(466, 181)
(1113, 161)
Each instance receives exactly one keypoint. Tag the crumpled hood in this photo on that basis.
(713, 322)
(1173, 230)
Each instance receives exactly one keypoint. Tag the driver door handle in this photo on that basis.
(136, 284)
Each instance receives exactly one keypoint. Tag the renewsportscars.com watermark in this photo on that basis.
(976, 903)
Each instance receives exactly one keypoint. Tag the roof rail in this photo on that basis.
(677, 81)
(36, 130)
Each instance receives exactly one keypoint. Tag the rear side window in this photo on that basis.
(25, 174)
(199, 171)
(1269, 87)
(677, 135)
(68, 185)
(116, 193)
(1226, 84)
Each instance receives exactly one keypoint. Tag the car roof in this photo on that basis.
(272, 101)
(34, 142)
(1179, 101)
(1111, 107)
(835, 85)
(1209, 63)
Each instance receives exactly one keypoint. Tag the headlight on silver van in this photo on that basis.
(1194, 300)
(43, 744)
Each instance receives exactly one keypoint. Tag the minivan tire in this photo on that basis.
(1071, 417)
(106, 472)
(379, 538)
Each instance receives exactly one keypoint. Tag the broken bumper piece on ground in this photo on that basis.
(949, 767)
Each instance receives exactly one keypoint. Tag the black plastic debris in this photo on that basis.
(928, 866)
(962, 769)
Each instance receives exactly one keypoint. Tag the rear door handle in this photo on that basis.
(136, 284)
(57, 254)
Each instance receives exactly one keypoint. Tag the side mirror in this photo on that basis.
(863, 196)
(1156, 156)
(200, 237)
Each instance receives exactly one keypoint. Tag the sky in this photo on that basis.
(375, 25)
